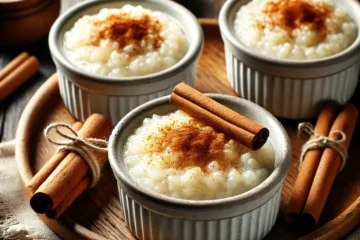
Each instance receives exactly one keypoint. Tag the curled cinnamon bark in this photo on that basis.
(21, 73)
(310, 164)
(338, 227)
(329, 166)
(50, 165)
(11, 66)
(223, 119)
(69, 173)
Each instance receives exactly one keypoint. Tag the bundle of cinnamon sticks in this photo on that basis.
(16, 73)
(66, 175)
(221, 118)
(321, 166)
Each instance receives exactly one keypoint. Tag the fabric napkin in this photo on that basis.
(17, 219)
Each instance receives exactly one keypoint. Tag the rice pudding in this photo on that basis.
(295, 29)
(125, 42)
(179, 156)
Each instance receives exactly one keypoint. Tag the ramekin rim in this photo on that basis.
(266, 186)
(193, 53)
(228, 7)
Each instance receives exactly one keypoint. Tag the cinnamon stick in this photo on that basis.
(64, 179)
(220, 110)
(69, 199)
(50, 165)
(328, 167)
(231, 123)
(18, 76)
(310, 164)
(11, 66)
(340, 226)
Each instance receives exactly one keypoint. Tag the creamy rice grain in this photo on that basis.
(178, 156)
(125, 42)
(295, 29)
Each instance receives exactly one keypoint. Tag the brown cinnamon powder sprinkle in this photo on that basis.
(126, 29)
(291, 14)
(193, 145)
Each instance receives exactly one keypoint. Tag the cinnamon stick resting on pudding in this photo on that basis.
(50, 165)
(310, 164)
(223, 119)
(69, 174)
(329, 167)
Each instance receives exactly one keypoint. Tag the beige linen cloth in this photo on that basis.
(17, 219)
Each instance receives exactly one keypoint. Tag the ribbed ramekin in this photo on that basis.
(150, 215)
(86, 93)
(289, 88)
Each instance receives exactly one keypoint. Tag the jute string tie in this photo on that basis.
(79, 145)
(322, 142)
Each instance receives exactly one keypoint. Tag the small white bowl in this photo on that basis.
(289, 88)
(86, 93)
(249, 215)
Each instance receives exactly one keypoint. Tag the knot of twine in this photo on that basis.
(81, 146)
(321, 142)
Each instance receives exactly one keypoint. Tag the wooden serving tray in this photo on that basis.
(97, 215)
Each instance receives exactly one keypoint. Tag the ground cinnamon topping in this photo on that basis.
(193, 145)
(126, 29)
(291, 14)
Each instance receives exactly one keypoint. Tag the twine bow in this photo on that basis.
(321, 142)
(81, 146)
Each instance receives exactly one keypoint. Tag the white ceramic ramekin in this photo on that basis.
(150, 215)
(85, 93)
(289, 88)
